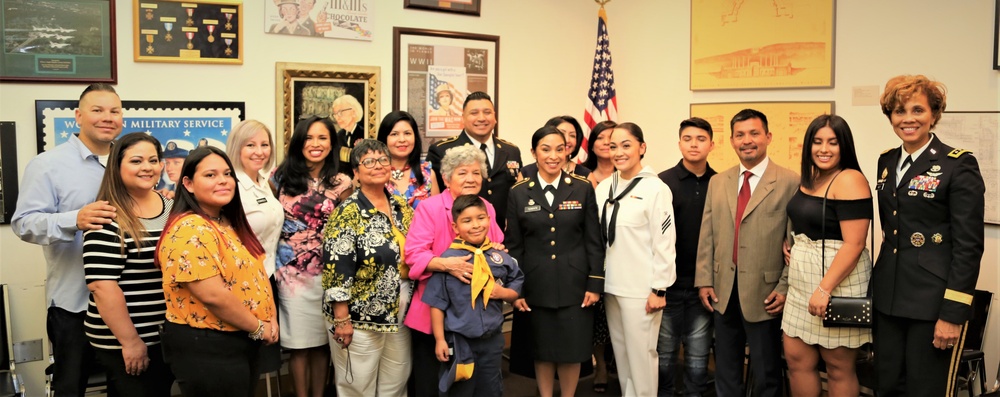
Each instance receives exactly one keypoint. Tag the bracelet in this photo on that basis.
(821, 290)
(339, 322)
(259, 333)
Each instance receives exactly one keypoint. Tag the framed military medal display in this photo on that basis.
(188, 31)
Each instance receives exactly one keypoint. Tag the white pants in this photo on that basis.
(379, 364)
(634, 334)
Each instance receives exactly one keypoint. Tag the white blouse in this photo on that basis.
(264, 213)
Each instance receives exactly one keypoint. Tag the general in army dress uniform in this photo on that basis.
(931, 203)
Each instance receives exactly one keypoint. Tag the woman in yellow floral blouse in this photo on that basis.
(219, 305)
(365, 281)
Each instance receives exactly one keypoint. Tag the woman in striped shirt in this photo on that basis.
(126, 301)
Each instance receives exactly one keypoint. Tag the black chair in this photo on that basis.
(10, 383)
(972, 367)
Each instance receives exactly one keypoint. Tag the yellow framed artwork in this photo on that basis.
(787, 122)
(188, 31)
(739, 44)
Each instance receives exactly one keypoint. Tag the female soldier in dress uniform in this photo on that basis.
(931, 202)
(552, 230)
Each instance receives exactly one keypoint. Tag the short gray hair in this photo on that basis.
(459, 156)
(238, 137)
(351, 102)
(365, 146)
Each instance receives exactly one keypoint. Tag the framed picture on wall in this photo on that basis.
(468, 7)
(60, 41)
(433, 72)
(188, 31)
(304, 90)
(996, 37)
(762, 44)
(8, 170)
(332, 19)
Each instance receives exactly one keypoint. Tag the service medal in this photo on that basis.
(917, 239)
(937, 238)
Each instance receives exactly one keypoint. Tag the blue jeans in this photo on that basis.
(684, 320)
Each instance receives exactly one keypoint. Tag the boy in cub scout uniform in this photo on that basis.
(503, 159)
(931, 204)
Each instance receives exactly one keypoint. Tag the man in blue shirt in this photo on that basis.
(56, 205)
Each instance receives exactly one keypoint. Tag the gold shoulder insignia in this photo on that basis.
(584, 179)
(520, 182)
(506, 142)
(958, 153)
(886, 151)
(442, 142)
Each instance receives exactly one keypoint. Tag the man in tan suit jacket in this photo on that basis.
(746, 291)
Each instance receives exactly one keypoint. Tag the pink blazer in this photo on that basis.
(431, 234)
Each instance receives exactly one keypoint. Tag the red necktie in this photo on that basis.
(741, 204)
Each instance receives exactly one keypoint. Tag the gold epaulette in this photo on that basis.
(520, 182)
(886, 151)
(442, 142)
(506, 142)
(580, 177)
(958, 153)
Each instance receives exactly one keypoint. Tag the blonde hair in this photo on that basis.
(901, 88)
(238, 137)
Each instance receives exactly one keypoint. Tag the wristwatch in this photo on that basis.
(659, 292)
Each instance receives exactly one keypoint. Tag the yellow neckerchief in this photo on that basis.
(404, 269)
(482, 276)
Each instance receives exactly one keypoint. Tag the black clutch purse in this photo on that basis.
(843, 311)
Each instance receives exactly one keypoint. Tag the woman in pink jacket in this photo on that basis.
(462, 169)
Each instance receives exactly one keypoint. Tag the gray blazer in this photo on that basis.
(765, 225)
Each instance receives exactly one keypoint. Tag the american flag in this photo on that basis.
(602, 103)
(457, 97)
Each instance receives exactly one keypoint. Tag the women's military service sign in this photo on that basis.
(188, 31)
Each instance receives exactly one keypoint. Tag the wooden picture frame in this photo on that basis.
(456, 62)
(467, 7)
(306, 89)
(64, 41)
(188, 31)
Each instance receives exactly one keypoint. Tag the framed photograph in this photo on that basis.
(58, 41)
(786, 120)
(977, 132)
(331, 19)
(468, 7)
(188, 31)
(435, 70)
(179, 126)
(762, 44)
(304, 90)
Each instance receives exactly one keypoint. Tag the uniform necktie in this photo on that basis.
(608, 230)
(482, 276)
(741, 204)
(489, 166)
(550, 193)
(902, 169)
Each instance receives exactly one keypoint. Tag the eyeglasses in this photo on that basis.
(340, 113)
(369, 163)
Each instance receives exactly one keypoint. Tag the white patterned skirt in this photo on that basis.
(804, 275)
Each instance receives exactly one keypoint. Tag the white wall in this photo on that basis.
(546, 54)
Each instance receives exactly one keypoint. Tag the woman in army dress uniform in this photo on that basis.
(931, 202)
(552, 230)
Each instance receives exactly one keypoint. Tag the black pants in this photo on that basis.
(487, 380)
(907, 363)
(211, 363)
(732, 333)
(424, 375)
(155, 381)
(71, 352)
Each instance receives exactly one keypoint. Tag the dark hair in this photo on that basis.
(476, 96)
(697, 122)
(636, 132)
(465, 201)
(293, 173)
(591, 162)
(105, 87)
(555, 121)
(185, 202)
(543, 132)
(363, 147)
(390, 120)
(114, 191)
(747, 114)
(845, 139)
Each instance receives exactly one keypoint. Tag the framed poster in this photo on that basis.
(305, 89)
(468, 7)
(188, 31)
(978, 132)
(333, 19)
(179, 126)
(58, 41)
(435, 70)
(787, 122)
(761, 44)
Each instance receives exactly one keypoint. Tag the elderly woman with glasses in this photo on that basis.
(367, 285)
